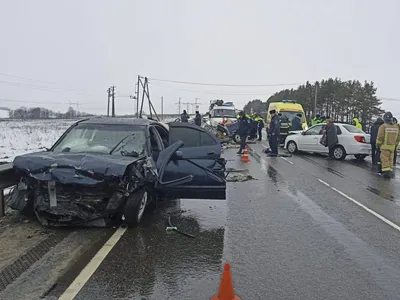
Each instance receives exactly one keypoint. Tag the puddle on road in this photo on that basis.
(150, 263)
(209, 214)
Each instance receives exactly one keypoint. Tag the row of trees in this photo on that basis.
(43, 113)
(340, 100)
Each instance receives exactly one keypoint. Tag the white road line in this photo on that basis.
(390, 223)
(287, 160)
(83, 277)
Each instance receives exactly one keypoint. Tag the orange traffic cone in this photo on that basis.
(245, 156)
(226, 291)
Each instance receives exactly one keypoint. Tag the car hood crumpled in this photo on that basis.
(67, 168)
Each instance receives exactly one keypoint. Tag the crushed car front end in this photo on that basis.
(78, 189)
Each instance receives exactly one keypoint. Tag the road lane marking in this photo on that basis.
(83, 277)
(382, 218)
(290, 162)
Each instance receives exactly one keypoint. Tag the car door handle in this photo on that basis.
(210, 153)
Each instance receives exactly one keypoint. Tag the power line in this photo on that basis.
(57, 103)
(389, 99)
(41, 88)
(38, 80)
(221, 84)
(212, 93)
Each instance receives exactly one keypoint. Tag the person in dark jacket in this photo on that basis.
(374, 134)
(243, 130)
(184, 117)
(296, 122)
(273, 133)
(331, 136)
(260, 126)
(197, 119)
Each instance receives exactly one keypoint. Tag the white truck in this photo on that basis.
(220, 110)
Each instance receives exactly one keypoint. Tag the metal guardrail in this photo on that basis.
(7, 179)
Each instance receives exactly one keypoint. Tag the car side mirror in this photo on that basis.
(303, 133)
(178, 155)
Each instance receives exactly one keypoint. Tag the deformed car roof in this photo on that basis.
(116, 121)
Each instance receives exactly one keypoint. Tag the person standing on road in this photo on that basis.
(356, 122)
(260, 126)
(184, 117)
(387, 140)
(374, 135)
(197, 119)
(273, 133)
(296, 122)
(331, 137)
(316, 120)
(243, 130)
(397, 146)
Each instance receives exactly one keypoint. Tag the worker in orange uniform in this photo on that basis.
(387, 141)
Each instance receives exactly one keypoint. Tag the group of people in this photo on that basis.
(185, 117)
(250, 126)
(322, 119)
(385, 138)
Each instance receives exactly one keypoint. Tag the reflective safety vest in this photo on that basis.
(315, 121)
(357, 123)
(388, 137)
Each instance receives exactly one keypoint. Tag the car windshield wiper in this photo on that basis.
(132, 153)
(120, 142)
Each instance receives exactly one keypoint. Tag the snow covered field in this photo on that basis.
(19, 137)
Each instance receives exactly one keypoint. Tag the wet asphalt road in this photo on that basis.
(287, 235)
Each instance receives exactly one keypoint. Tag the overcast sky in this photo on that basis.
(74, 50)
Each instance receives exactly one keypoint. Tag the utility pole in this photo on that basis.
(162, 107)
(315, 100)
(135, 98)
(113, 101)
(187, 106)
(137, 94)
(108, 101)
(179, 105)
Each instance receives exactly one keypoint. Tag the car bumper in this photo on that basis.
(364, 149)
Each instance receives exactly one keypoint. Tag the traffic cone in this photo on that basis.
(245, 155)
(226, 291)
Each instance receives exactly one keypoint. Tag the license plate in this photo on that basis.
(51, 186)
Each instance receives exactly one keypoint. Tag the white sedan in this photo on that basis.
(352, 141)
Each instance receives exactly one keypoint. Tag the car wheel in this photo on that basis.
(135, 206)
(236, 138)
(291, 147)
(360, 156)
(339, 153)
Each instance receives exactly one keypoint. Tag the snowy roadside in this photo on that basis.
(19, 137)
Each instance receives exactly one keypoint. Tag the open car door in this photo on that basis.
(191, 167)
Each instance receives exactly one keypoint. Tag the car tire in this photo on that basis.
(236, 138)
(360, 156)
(339, 153)
(291, 147)
(135, 206)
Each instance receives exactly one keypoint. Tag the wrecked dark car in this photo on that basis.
(103, 170)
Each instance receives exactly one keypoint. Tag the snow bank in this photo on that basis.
(19, 137)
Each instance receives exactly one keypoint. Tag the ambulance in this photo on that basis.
(287, 110)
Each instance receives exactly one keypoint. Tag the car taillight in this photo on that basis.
(359, 139)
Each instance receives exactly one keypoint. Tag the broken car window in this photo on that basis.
(104, 139)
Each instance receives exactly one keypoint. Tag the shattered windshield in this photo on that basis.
(104, 139)
(219, 113)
